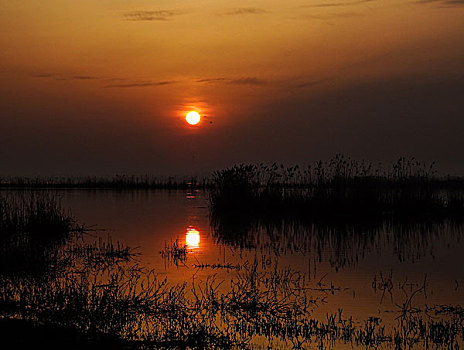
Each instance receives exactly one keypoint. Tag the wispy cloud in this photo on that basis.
(65, 77)
(112, 82)
(244, 11)
(234, 81)
(85, 77)
(43, 75)
(211, 80)
(311, 83)
(442, 3)
(157, 15)
(140, 84)
(248, 81)
(339, 4)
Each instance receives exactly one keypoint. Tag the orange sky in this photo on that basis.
(97, 87)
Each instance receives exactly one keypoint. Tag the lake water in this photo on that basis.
(366, 274)
(389, 273)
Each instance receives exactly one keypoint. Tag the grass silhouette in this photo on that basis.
(341, 190)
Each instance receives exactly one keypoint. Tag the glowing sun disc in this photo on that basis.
(193, 118)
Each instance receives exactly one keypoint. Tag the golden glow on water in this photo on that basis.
(192, 238)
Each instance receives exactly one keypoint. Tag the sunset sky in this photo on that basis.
(102, 87)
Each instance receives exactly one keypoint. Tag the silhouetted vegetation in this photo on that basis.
(342, 206)
(32, 227)
(341, 190)
(133, 308)
(121, 182)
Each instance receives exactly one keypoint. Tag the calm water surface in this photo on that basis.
(349, 271)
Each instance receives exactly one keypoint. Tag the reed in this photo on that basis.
(336, 198)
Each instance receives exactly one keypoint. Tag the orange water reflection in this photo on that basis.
(192, 237)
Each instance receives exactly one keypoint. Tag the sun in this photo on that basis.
(193, 118)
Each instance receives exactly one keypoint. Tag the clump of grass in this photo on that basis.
(340, 196)
(341, 188)
(32, 227)
(39, 215)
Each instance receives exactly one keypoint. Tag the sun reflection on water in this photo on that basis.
(192, 237)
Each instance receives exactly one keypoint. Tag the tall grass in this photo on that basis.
(32, 227)
(339, 190)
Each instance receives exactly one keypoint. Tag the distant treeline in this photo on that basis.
(115, 182)
(337, 171)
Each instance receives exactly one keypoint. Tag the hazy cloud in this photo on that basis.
(248, 81)
(44, 75)
(158, 15)
(311, 83)
(211, 80)
(339, 4)
(85, 77)
(444, 3)
(244, 11)
(64, 77)
(234, 81)
(141, 84)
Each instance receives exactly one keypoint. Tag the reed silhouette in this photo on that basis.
(341, 190)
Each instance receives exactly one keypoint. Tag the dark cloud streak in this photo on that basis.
(158, 15)
(339, 4)
(141, 84)
(234, 81)
(247, 81)
(60, 77)
(443, 3)
(244, 11)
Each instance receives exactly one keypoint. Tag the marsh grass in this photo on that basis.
(38, 237)
(32, 228)
(344, 205)
(341, 190)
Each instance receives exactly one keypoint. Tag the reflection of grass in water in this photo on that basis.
(174, 252)
(338, 245)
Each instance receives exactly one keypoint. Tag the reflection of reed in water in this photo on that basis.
(339, 244)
